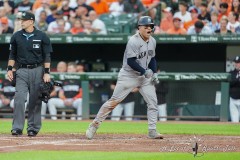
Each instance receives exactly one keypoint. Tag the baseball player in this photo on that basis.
(235, 91)
(70, 95)
(138, 71)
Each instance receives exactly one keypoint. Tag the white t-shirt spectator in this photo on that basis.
(38, 12)
(231, 25)
(185, 18)
(116, 8)
(53, 27)
(98, 24)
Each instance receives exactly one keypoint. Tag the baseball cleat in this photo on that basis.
(92, 129)
(153, 134)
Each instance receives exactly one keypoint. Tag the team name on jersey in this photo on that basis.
(143, 54)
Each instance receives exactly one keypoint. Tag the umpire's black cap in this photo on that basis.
(28, 16)
(145, 21)
(237, 59)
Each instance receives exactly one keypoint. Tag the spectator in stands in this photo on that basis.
(80, 13)
(117, 8)
(87, 27)
(54, 14)
(97, 25)
(196, 5)
(8, 5)
(183, 13)
(214, 25)
(83, 4)
(41, 24)
(204, 16)
(232, 22)
(229, 2)
(213, 6)
(58, 3)
(223, 27)
(100, 6)
(77, 27)
(69, 96)
(199, 28)
(66, 9)
(133, 6)
(177, 27)
(3, 13)
(44, 7)
(59, 26)
(151, 5)
(236, 6)
(194, 15)
(166, 22)
(234, 91)
(127, 105)
(4, 28)
(17, 22)
(223, 11)
(37, 4)
(23, 6)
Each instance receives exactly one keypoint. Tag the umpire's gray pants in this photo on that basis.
(28, 80)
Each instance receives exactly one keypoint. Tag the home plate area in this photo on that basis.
(120, 142)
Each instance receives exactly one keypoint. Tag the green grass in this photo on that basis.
(54, 155)
(137, 127)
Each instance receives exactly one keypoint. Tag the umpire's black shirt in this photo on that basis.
(235, 84)
(30, 48)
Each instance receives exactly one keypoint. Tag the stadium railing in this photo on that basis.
(84, 78)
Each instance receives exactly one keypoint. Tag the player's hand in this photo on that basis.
(46, 77)
(10, 75)
(155, 78)
(148, 73)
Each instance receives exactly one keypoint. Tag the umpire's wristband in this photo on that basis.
(9, 68)
(47, 70)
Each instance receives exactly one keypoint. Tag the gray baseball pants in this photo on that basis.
(28, 81)
(127, 81)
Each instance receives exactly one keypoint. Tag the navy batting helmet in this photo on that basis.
(146, 21)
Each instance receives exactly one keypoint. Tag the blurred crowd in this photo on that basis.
(201, 17)
(84, 16)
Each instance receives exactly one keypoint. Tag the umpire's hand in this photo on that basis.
(10, 75)
(46, 77)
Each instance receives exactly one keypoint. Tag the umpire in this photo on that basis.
(30, 49)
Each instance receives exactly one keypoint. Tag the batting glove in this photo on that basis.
(155, 78)
(148, 73)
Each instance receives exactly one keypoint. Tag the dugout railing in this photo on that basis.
(84, 78)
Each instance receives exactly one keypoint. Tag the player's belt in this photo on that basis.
(29, 66)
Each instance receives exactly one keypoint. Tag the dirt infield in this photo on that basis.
(119, 142)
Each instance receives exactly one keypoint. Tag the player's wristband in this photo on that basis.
(47, 70)
(9, 68)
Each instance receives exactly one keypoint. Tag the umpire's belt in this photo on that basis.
(29, 66)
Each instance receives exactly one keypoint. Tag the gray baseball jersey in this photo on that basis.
(128, 79)
(138, 48)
